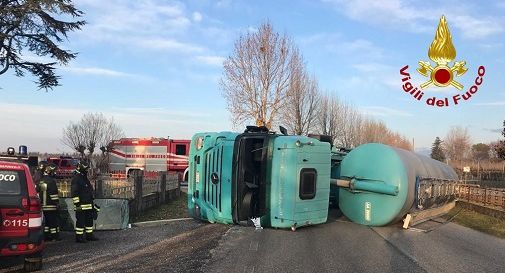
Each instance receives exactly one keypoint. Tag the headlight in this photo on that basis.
(199, 143)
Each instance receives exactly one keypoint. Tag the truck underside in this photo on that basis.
(249, 177)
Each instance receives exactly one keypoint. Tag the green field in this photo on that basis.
(177, 208)
(477, 221)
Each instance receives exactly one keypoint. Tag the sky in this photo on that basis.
(155, 66)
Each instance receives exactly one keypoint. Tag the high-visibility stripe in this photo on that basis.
(53, 195)
(89, 231)
(88, 227)
(48, 209)
(79, 232)
(76, 199)
(46, 228)
(79, 228)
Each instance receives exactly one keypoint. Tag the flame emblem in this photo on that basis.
(442, 52)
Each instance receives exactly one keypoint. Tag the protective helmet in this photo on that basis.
(42, 166)
(50, 169)
(82, 166)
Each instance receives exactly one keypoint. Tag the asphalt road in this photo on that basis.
(342, 246)
(338, 246)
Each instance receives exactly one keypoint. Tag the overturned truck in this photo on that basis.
(290, 181)
(282, 180)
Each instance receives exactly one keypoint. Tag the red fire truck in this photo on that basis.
(150, 155)
(66, 165)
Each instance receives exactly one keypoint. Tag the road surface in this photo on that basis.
(338, 246)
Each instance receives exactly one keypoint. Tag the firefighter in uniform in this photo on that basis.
(85, 210)
(48, 192)
(39, 172)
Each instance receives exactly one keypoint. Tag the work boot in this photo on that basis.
(91, 237)
(79, 238)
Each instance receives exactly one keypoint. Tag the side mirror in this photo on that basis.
(283, 130)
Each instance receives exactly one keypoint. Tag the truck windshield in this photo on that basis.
(10, 182)
(66, 163)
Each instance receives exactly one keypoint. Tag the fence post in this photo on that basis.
(99, 188)
(163, 187)
(139, 182)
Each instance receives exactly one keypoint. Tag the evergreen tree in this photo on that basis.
(437, 152)
(36, 27)
(500, 149)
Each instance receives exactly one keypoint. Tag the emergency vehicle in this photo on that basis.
(21, 220)
(150, 155)
(65, 165)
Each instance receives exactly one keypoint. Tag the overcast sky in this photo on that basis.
(155, 65)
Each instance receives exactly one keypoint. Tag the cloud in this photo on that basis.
(169, 45)
(495, 103)
(414, 17)
(381, 111)
(40, 126)
(96, 71)
(252, 29)
(493, 130)
(197, 17)
(211, 60)
(147, 24)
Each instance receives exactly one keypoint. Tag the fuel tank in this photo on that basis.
(386, 183)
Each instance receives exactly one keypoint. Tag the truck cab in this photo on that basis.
(280, 179)
(65, 165)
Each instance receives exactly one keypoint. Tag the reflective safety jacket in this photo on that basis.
(82, 192)
(49, 197)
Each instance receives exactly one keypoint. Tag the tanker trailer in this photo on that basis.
(380, 184)
(282, 180)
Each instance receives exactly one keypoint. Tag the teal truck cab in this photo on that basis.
(282, 180)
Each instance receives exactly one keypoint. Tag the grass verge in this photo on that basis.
(477, 221)
(177, 208)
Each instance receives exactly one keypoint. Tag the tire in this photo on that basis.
(33, 266)
(33, 262)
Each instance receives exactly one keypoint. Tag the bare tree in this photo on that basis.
(299, 111)
(327, 114)
(457, 143)
(349, 121)
(257, 76)
(92, 131)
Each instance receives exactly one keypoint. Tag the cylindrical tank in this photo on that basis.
(384, 180)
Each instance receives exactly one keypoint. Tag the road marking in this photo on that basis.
(253, 246)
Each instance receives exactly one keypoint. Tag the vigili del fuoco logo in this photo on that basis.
(443, 74)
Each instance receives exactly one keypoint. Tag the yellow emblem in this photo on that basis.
(442, 52)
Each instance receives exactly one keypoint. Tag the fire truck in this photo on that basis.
(151, 155)
(65, 165)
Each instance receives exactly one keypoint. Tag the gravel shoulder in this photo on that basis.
(165, 248)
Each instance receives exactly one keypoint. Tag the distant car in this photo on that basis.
(21, 231)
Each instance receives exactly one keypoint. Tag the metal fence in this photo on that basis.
(489, 197)
(108, 187)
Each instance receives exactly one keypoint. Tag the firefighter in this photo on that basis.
(48, 192)
(39, 172)
(85, 210)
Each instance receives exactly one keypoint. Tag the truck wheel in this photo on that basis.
(33, 262)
